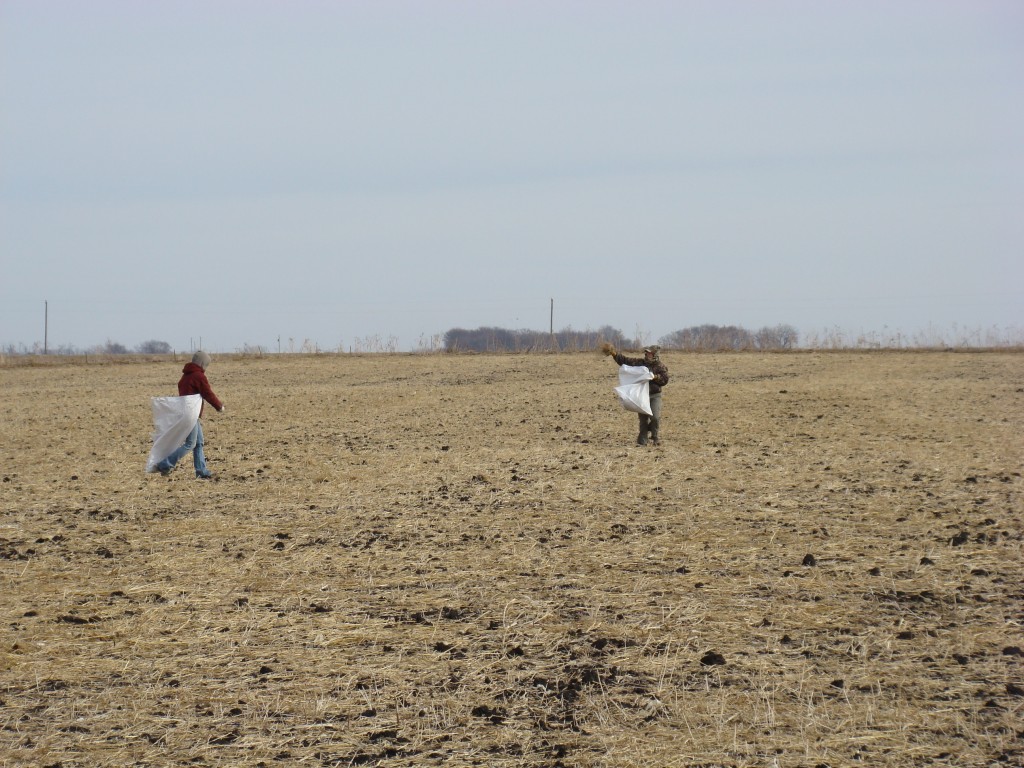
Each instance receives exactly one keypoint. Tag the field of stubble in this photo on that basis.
(465, 560)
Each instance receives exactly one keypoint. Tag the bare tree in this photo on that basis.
(154, 347)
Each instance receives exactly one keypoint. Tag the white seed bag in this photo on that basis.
(634, 388)
(173, 419)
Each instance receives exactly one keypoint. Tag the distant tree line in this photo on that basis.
(703, 338)
(491, 339)
(697, 338)
(718, 338)
(152, 347)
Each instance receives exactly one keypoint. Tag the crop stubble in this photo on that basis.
(464, 560)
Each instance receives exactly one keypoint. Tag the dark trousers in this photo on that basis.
(650, 424)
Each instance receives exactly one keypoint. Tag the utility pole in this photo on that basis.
(551, 324)
(46, 327)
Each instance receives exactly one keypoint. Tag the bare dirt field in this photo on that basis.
(412, 560)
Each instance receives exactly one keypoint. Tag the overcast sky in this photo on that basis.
(244, 172)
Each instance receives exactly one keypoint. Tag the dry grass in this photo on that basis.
(427, 560)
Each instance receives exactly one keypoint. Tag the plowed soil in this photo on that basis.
(416, 560)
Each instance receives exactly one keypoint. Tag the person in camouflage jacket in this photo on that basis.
(649, 425)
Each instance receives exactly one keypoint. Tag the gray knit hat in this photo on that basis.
(201, 359)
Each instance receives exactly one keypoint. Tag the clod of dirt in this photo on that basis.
(389, 734)
(496, 716)
(712, 659)
(72, 619)
(960, 539)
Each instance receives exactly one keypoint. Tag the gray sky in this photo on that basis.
(248, 171)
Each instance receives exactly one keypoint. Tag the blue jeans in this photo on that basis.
(194, 443)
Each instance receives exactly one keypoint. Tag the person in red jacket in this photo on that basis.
(194, 382)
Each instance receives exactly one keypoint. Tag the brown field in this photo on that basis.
(464, 560)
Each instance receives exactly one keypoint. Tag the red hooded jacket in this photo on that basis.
(193, 382)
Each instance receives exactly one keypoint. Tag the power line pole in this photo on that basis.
(551, 324)
(46, 327)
